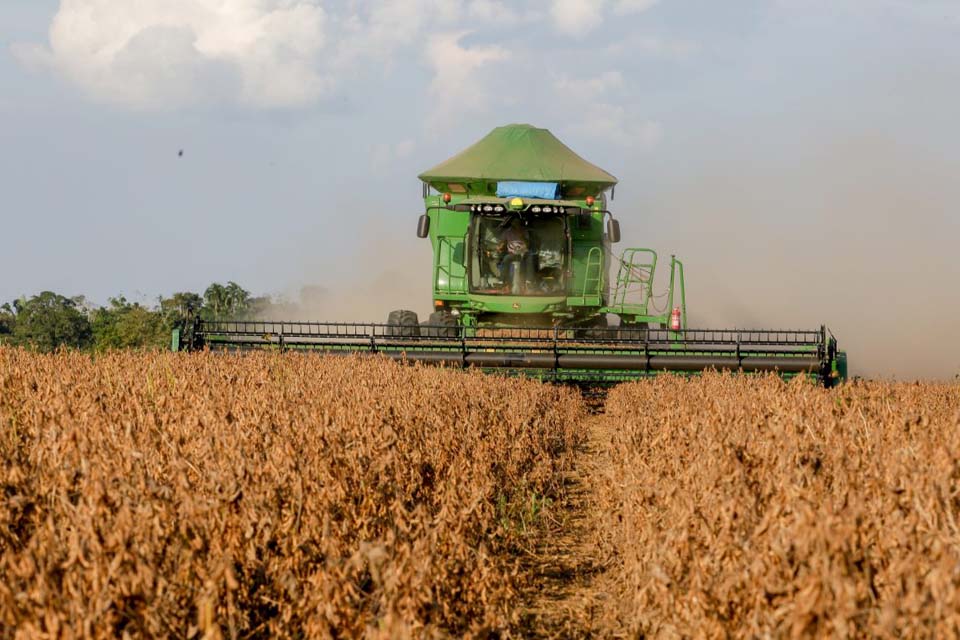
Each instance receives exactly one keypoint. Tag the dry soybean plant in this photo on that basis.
(265, 495)
(753, 507)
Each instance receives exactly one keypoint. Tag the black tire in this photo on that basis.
(633, 331)
(599, 330)
(441, 324)
(403, 323)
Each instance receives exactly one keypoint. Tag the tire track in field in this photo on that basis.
(566, 596)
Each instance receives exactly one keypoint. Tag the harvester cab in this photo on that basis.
(525, 280)
(522, 236)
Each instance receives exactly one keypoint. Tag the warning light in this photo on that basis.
(446, 198)
(590, 201)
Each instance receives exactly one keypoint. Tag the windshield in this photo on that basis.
(518, 256)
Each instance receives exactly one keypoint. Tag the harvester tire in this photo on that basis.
(633, 331)
(403, 323)
(442, 324)
(598, 331)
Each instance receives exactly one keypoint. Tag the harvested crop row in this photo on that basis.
(266, 494)
(753, 507)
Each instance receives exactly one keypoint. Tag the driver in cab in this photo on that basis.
(515, 249)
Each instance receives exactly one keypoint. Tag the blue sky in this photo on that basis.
(800, 155)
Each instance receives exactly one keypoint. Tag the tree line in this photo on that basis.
(49, 320)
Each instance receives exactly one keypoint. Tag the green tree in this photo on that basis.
(238, 299)
(225, 301)
(8, 320)
(215, 300)
(180, 307)
(49, 320)
(123, 325)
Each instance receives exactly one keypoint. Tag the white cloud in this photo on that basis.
(605, 120)
(932, 11)
(491, 11)
(659, 47)
(456, 87)
(162, 53)
(404, 148)
(384, 153)
(602, 83)
(623, 7)
(577, 17)
(378, 30)
(288, 53)
(387, 25)
(615, 124)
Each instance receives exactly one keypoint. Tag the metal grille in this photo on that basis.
(690, 339)
(564, 354)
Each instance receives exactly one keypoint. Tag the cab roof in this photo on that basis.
(519, 152)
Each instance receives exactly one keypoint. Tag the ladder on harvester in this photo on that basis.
(591, 293)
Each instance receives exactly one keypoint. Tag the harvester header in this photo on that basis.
(525, 280)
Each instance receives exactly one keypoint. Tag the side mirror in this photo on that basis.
(423, 226)
(613, 230)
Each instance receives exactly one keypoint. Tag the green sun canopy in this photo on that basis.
(518, 152)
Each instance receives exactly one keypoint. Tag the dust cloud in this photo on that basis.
(388, 271)
(855, 231)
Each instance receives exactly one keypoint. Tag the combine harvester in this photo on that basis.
(521, 238)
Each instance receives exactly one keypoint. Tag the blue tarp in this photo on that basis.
(542, 190)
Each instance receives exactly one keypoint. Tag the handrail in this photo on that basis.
(626, 276)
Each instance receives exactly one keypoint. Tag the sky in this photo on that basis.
(801, 156)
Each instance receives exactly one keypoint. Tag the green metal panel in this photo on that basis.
(175, 340)
(450, 223)
(451, 273)
(517, 152)
(516, 304)
(587, 228)
(448, 231)
(840, 366)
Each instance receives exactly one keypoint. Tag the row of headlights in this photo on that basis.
(547, 209)
(499, 208)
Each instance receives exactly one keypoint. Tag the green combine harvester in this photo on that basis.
(522, 263)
